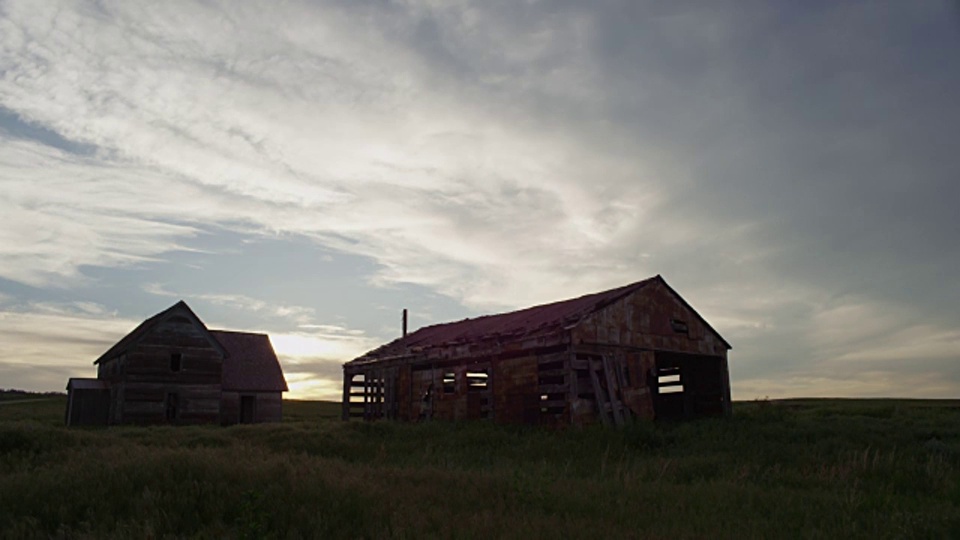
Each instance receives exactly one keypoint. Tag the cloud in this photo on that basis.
(436, 192)
(872, 383)
(793, 176)
(313, 361)
(239, 302)
(47, 343)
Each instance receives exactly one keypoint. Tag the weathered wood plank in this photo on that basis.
(599, 397)
(612, 389)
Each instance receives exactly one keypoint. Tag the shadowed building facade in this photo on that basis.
(635, 352)
(173, 369)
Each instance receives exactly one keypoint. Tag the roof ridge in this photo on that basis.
(626, 290)
(238, 332)
(134, 335)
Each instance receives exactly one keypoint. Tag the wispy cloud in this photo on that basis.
(301, 315)
(789, 174)
(46, 343)
(437, 194)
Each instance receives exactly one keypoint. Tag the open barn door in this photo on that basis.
(688, 386)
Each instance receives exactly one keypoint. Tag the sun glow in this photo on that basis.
(326, 346)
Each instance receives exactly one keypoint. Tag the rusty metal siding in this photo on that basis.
(643, 320)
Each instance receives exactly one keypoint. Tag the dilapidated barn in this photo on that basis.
(172, 369)
(635, 352)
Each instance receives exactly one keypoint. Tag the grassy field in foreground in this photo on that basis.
(800, 468)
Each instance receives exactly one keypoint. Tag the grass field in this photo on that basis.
(800, 468)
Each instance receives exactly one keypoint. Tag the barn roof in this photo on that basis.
(143, 328)
(252, 364)
(525, 323)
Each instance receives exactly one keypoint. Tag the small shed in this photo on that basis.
(635, 352)
(88, 402)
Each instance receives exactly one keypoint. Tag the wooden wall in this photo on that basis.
(87, 407)
(643, 320)
(504, 389)
(639, 330)
(144, 378)
(268, 407)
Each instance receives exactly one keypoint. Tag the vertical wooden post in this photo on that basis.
(573, 385)
(345, 404)
(381, 401)
(612, 390)
(598, 394)
(366, 395)
(725, 373)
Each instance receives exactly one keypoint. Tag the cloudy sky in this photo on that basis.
(309, 169)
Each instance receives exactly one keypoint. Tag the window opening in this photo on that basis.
(669, 381)
(175, 361)
(477, 380)
(679, 326)
(449, 382)
(248, 409)
(172, 407)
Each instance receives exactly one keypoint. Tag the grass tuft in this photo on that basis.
(809, 468)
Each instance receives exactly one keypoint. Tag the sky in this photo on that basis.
(309, 169)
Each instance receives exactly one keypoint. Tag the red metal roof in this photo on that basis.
(251, 363)
(525, 323)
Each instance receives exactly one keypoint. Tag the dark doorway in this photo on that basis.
(248, 409)
(688, 386)
(172, 407)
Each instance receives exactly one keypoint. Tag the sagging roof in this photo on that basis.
(251, 364)
(143, 328)
(522, 324)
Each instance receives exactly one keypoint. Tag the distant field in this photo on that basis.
(796, 468)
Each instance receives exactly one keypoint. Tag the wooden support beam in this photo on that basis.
(599, 396)
(345, 401)
(573, 380)
(619, 368)
(612, 389)
(557, 372)
(552, 403)
(554, 388)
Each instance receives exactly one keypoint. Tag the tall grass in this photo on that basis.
(797, 469)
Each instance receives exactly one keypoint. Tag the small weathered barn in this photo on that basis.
(638, 351)
(172, 369)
